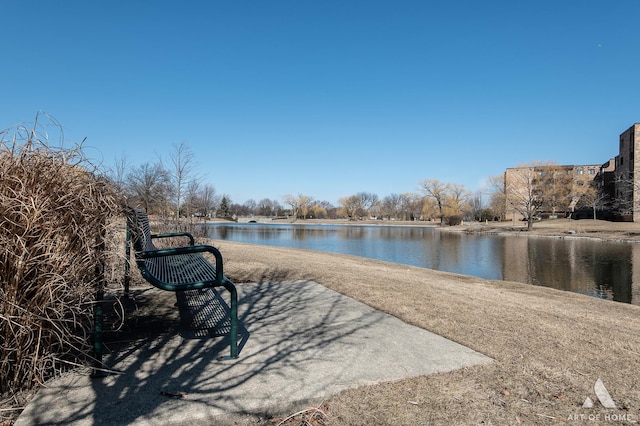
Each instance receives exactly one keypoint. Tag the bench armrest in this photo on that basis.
(187, 250)
(175, 234)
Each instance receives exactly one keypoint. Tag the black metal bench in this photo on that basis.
(179, 269)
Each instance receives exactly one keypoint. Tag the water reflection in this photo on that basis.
(597, 268)
(600, 269)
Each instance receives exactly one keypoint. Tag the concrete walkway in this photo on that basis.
(305, 343)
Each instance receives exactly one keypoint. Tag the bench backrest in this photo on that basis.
(140, 231)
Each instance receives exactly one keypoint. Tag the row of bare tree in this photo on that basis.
(169, 187)
(173, 187)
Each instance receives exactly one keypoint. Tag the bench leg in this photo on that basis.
(98, 310)
(127, 259)
(98, 317)
(233, 334)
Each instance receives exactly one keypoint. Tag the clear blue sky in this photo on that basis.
(328, 98)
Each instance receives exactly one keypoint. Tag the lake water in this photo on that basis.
(598, 268)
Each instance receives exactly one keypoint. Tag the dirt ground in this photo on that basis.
(549, 346)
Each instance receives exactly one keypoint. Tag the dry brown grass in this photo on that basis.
(54, 212)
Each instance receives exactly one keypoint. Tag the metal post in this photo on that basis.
(233, 333)
(127, 259)
(233, 338)
(98, 309)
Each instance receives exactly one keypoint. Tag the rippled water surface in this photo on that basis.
(598, 268)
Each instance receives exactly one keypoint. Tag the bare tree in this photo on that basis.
(522, 193)
(368, 201)
(182, 169)
(118, 172)
(265, 207)
(328, 209)
(457, 200)
(555, 184)
(207, 200)
(437, 191)
(299, 205)
(624, 199)
(359, 205)
(476, 204)
(318, 210)
(497, 196)
(190, 204)
(539, 187)
(277, 208)
(305, 201)
(429, 209)
(412, 204)
(293, 202)
(250, 206)
(392, 206)
(149, 185)
(350, 207)
(593, 197)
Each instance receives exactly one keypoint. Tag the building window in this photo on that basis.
(580, 171)
(592, 171)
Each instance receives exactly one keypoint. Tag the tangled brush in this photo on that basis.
(54, 210)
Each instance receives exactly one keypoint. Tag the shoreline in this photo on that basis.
(599, 230)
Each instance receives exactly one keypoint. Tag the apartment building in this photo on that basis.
(554, 190)
(626, 185)
(546, 190)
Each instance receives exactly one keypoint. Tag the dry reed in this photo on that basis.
(54, 210)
